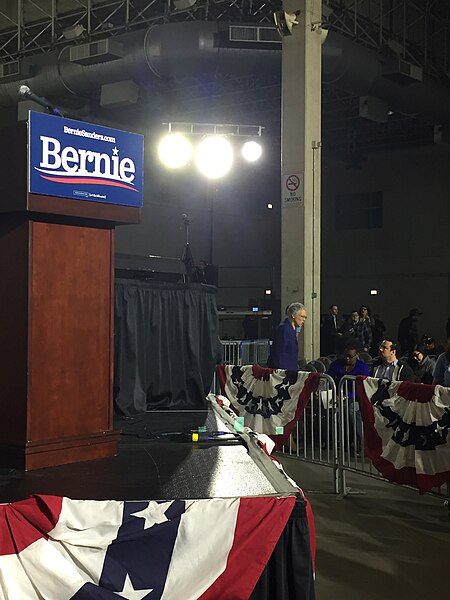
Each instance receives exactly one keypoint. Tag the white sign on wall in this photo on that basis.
(292, 190)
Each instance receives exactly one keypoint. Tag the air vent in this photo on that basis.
(121, 93)
(96, 52)
(269, 34)
(402, 72)
(253, 34)
(15, 70)
(10, 68)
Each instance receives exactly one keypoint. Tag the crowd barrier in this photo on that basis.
(245, 352)
(330, 432)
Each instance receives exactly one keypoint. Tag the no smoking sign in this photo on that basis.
(292, 189)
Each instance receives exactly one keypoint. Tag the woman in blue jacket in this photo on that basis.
(284, 350)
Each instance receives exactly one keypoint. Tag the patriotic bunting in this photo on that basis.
(59, 549)
(406, 430)
(270, 400)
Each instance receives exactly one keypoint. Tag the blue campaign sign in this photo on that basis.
(85, 161)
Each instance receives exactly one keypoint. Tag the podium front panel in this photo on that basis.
(69, 331)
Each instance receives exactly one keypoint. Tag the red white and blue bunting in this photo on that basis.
(406, 430)
(268, 399)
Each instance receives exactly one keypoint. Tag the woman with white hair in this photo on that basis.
(284, 350)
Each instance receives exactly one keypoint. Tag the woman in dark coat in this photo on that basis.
(284, 350)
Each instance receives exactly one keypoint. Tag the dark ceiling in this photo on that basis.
(415, 31)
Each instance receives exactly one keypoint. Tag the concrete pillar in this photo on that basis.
(301, 167)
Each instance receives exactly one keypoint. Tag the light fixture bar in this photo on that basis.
(229, 129)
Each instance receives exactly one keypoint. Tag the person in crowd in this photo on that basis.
(250, 327)
(408, 336)
(431, 346)
(349, 326)
(201, 271)
(350, 364)
(389, 366)
(424, 368)
(330, 329)
(441, 373)
(428, 343)
(447, 329)
(284, 350)
(378, 331)
(364, 315)
(362, 329)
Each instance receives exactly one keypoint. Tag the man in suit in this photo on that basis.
(331, 330)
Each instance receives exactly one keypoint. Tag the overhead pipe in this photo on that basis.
(202, 49)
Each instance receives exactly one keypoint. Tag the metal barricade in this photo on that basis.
(254, 352)
(245, 352)
(242, 352)
(330, 433)
(351, 439)
(315, 436)
(231, 352)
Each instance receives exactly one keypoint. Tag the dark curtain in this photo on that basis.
(289, 572)
(166, 345)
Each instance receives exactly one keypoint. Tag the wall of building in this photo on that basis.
(408, 259)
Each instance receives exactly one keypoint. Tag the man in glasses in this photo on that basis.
(389, 366)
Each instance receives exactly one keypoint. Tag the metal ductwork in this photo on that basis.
(362, 72)
(205, 49)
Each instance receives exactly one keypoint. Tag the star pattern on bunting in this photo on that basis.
(130, 593)
(154, 514)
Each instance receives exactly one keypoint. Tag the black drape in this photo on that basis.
(289, 572)
(166, 345)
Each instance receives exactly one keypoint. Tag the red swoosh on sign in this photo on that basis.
(86, 180)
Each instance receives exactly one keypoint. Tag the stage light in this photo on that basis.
(174, 150)
(373, 292)
(214, 157)
(270, 205)
(251, 151)
(268, 292)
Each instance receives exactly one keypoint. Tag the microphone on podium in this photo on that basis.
(25, 92)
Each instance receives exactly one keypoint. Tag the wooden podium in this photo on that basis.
(56, 319)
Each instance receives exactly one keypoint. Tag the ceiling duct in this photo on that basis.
(15, 70)
(402, 72)
(96, 52)
(203, 50)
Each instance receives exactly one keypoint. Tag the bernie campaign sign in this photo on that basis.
(84, 161)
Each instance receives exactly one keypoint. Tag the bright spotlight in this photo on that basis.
(214, 157)
(251, 151)
(174, 150)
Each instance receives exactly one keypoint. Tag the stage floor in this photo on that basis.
(152, 464)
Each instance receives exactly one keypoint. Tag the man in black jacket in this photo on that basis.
(389, 366)
(331, 330)
(407, 332)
